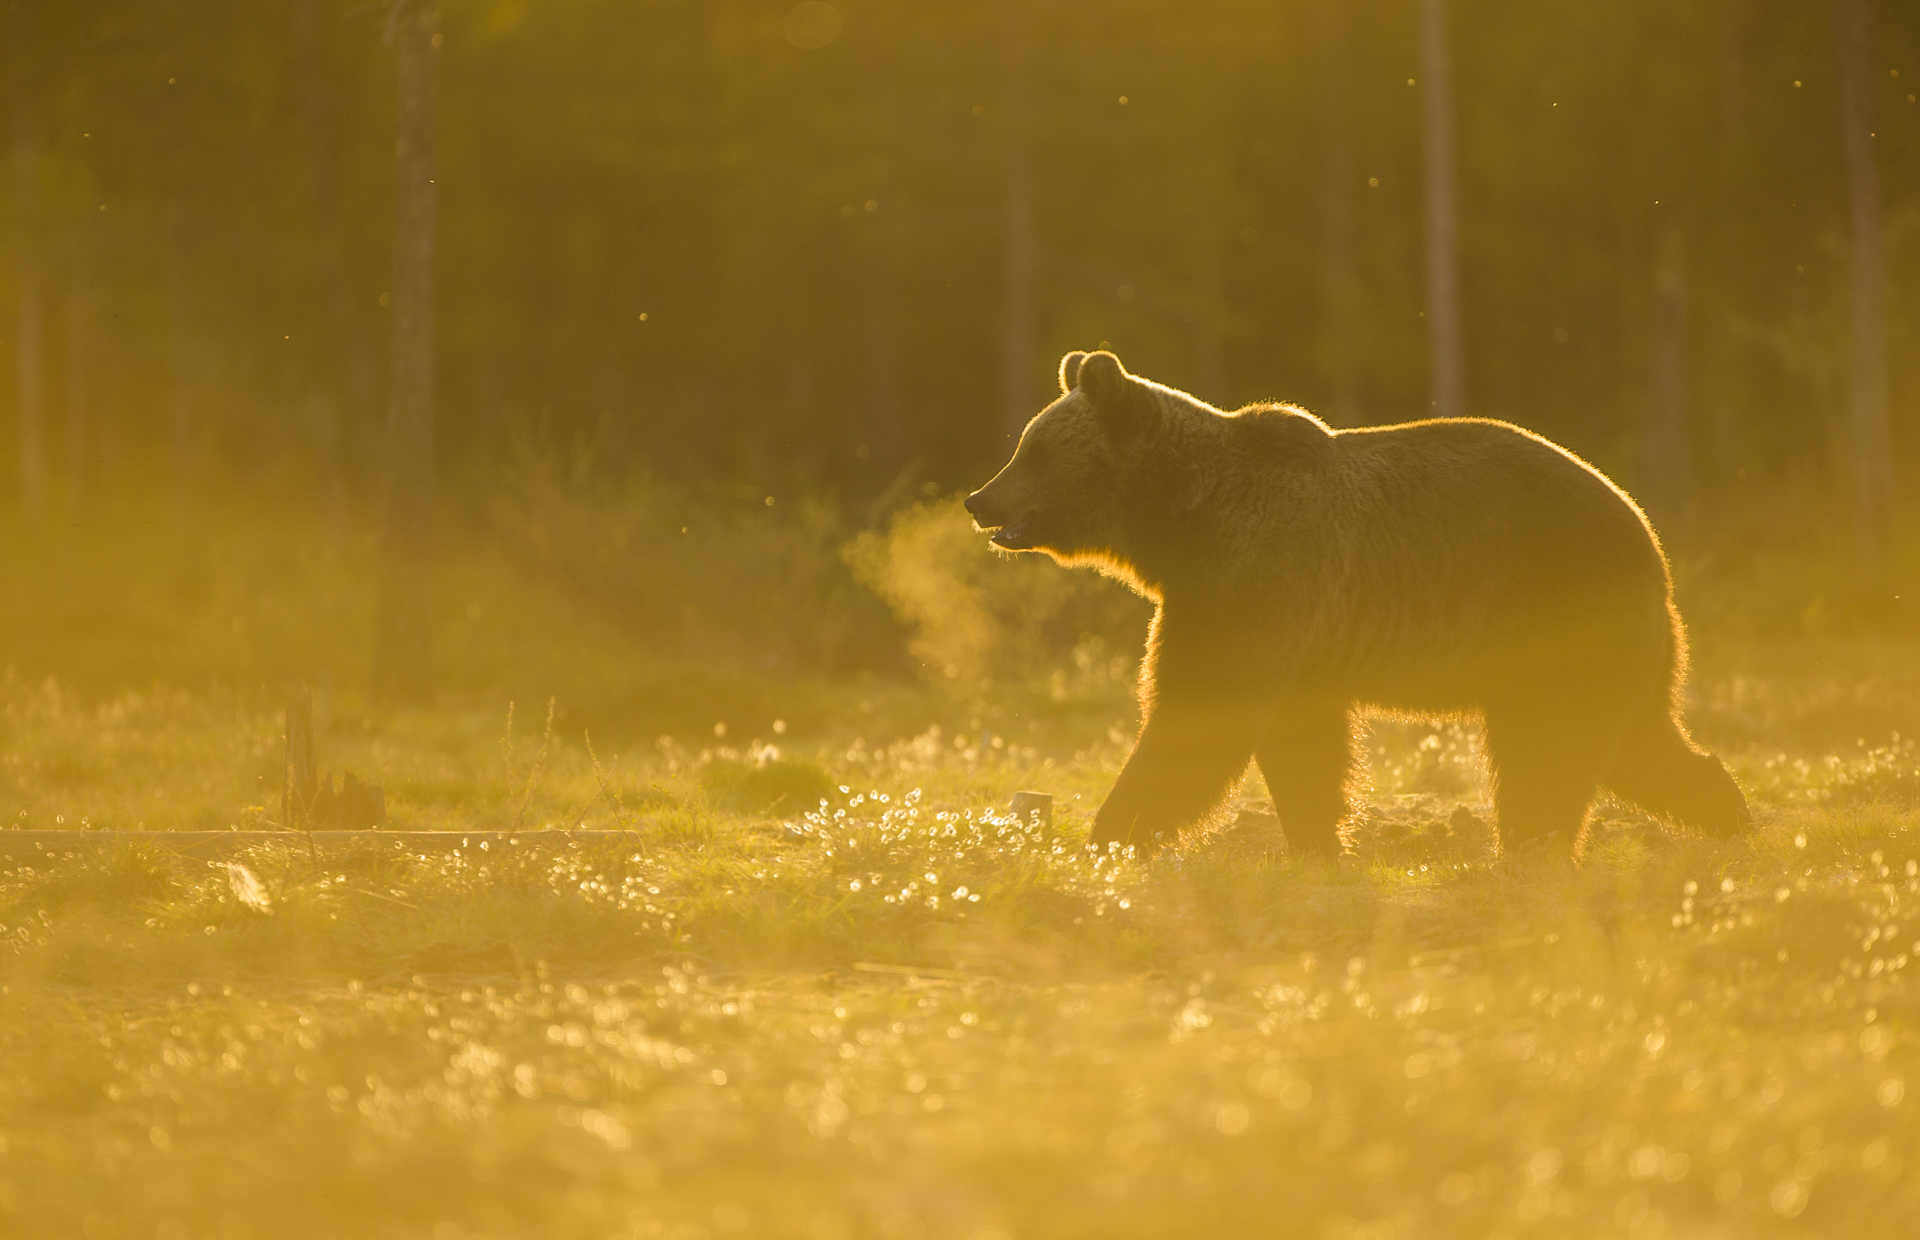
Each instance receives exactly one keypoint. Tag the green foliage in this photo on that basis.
(899, 1012)
(130, 875)
(637, 1036)
(217, 193)
(829, 990)
(767, 784)
(708, 575)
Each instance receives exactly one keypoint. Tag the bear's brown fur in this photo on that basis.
(1444, 568)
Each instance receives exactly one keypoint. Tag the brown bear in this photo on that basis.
(1449, 568)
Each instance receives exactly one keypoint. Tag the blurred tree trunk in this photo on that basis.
(183, 429)
(1733, 79)
(1666, 467)
(1443, 267)
(1208, 190)
(1869, 432)
(1724, 370)
(29, 331)
(883, 438)
(403, 641)
(884, 442)
(800, 404)
(78, 434)
(1209, 346)
(1205, 180)
(29, 338)
(330, 402)
(1019, 401)
(1339, 282)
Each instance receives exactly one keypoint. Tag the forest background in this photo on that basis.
(716, 286)
(575, 397)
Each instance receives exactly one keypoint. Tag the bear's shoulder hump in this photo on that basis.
(1283, 429)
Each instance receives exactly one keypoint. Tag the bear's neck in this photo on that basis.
(1167, 526)
(1160, 555)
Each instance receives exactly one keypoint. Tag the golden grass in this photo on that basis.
(905, 1015)
(832, 993)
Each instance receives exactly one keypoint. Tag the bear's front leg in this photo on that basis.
(1188, 756)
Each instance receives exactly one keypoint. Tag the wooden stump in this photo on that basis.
(1035, 808)
(303, 777)
(349, 806)
(310, 800)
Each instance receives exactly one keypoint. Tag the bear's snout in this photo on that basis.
(992, 513)
(986, 509)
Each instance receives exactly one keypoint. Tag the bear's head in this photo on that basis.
(1065, 490)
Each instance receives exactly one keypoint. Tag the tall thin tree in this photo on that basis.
(885, 441)
(186, 368)
(30, 345)
(1443, 268)
(1666, 454)
(403, 644)
(29, 341)
(329, 411)
(1208, 187)
(1339, 278)
(78, 436)
(1869, 433)
(1018, 245)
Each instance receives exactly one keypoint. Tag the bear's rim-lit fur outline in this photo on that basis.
(1646, 758)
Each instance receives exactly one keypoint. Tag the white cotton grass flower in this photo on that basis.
(247, 888)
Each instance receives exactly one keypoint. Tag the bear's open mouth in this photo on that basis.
(1013, 537)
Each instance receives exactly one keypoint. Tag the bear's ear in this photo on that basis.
(1124, 406)
(1070, 370)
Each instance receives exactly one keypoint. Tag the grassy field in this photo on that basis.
(827, 989)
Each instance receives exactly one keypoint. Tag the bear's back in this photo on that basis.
(1479, 522)
(1511, 485)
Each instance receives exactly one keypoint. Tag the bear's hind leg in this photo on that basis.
(1547, 765)
(1308, 759)
(1662, 772)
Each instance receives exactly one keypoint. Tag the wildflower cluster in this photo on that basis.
(932, 751)
(901, 854)
(1444, 759)
(1888, 772)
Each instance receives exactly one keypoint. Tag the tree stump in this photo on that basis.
(312, 801)
(303, 777)
(1033, 808)
(350, 805)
